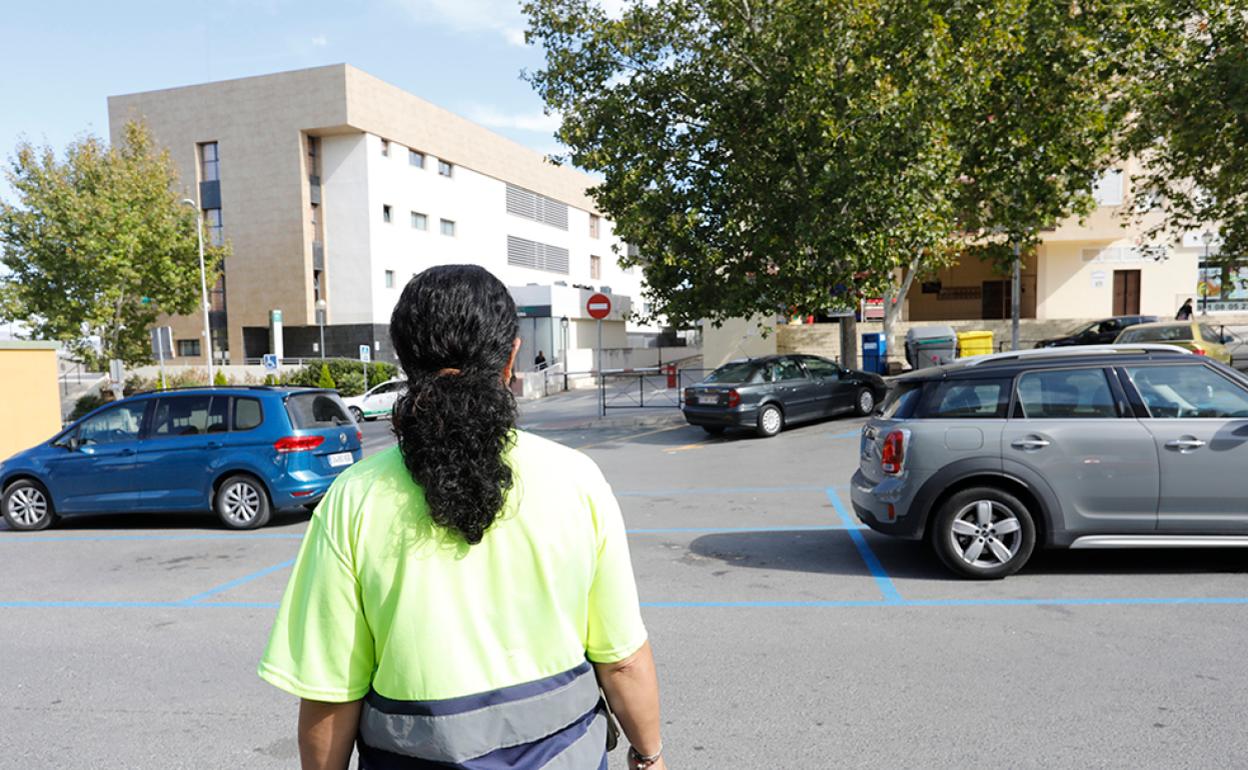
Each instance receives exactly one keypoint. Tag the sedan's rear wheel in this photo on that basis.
(242, 503)
(27, 506)
(983, 533)
(357, 414)
(864, 403)
(770, 421)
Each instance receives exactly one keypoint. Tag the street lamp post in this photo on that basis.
(563, 326)
(203, 281)
(1207, 238)
(320, 321)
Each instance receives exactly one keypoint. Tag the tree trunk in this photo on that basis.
(894, 300)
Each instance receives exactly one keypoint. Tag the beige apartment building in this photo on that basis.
(332, 186)
(1101, 266)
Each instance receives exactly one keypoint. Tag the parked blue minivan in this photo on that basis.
(243, 452)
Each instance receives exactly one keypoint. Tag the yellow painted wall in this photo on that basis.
(969, 273)
(30, 404)
(1071, 286)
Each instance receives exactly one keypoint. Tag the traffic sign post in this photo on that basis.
(162, 348)
(366, 355)
(599, 307)
(270, 362)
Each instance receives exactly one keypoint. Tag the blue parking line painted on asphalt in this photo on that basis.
(1155, 601)
(847, 434)
(24, 538)
(882, 580)
(720, 491)
(235, 583)
(794, 528)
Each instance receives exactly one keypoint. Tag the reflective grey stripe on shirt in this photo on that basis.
(588, 750)
(462, 736)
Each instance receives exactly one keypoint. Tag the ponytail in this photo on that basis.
(453, 432)
(454, 330)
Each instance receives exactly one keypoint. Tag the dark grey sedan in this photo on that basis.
(768, 393)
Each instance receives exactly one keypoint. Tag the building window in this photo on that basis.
(416, 159)
(1108, 189)
(189, 349)
(385, 213)
(316, 284)
(444, 168)
(419, 221)
(212, 223)
(595, 222)
(209, 162)
(595, 267)
(385, 148)
(389, 279)
(448, 227)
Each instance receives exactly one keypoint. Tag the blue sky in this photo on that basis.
(61, 60)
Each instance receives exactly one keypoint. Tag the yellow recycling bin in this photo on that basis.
(974, 344)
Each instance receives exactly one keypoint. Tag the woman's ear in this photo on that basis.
(511, 362)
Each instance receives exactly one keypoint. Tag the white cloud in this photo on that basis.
(499, 16)
(521, 121)
(320, 41)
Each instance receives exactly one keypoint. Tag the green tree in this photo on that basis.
(1190, 124)
(791, 156)
(97, 245)
(220, 380)
(782, 156)
(326, 380)
(1043, 126)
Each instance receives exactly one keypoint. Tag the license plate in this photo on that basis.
(708, 399)
(340, 459)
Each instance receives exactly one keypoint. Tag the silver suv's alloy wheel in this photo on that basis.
(986, 534)
(28, 506)
(241, 502)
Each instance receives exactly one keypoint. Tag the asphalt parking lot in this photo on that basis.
(787, 636)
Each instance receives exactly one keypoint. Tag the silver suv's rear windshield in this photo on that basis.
(309, 411)
(901, 400)
(731, 373)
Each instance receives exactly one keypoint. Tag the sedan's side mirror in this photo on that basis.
(73, 443)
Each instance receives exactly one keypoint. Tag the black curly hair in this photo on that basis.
(453, 330)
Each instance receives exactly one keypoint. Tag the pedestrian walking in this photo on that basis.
(1185, 311)
(460, 599)
(540, 361)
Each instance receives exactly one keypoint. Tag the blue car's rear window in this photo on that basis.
(309, 411)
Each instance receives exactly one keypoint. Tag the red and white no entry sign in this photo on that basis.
(598, 306)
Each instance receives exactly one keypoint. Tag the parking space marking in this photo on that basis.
(720, 491)
(847, 434)
(882, 580)
(618, 439)
(1191, 601)
(794, 528)
(235, 583)
(188, 536)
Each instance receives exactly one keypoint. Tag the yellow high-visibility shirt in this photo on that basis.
(381, 597)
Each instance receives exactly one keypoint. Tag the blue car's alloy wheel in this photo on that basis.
(27, 506)
(242, 503)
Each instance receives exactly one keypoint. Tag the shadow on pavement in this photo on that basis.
(831, 552)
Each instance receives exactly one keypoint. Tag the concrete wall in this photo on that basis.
(30, 403)
(737, 338)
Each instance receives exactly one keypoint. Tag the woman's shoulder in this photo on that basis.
(532, 453)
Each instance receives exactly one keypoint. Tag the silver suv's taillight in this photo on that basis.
(893, 453)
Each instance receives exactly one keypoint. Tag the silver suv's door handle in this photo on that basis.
(1185, 443)
(1030, 443)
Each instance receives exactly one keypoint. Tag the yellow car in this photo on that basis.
(1200, 338)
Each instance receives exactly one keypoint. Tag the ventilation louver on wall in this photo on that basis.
(522, 252)
(539, 208)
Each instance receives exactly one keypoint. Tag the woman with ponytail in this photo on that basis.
(459, 600)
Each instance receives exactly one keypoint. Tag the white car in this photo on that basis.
(377, 402)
